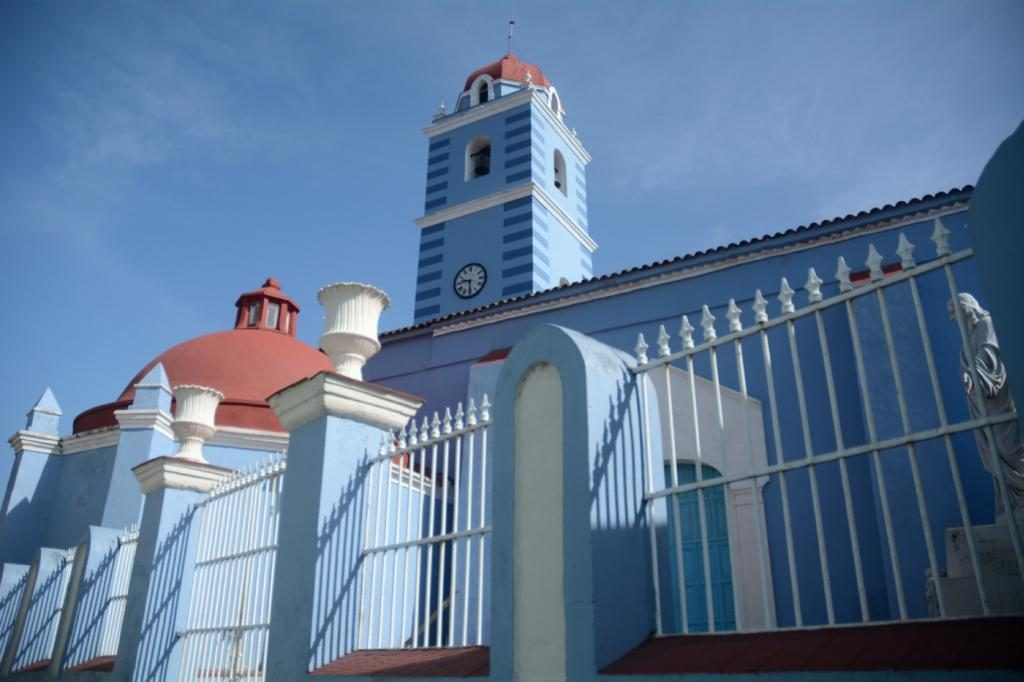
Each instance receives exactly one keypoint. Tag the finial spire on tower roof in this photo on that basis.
(511, 26)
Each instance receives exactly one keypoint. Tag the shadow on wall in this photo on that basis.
(25, 522)
(338, 563)
(91, 611)
(158, 630)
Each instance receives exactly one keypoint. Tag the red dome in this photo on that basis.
(509, 68)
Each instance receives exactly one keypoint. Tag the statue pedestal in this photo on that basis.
(999, 574)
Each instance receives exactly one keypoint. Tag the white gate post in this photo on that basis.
(335, 423)
(161, 575)
(597, 585)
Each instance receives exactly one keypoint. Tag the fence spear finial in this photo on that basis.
(641, 349)
(707, 321)
(813, 286)
(874, 263)
(403, 442)
(686, 333)
(843, 275)
(485, 409)
(733, 315)
(905, 250)
(459, 414)
(663, 339)
(786, 297)
(446, 424)
(941, 238)
(425, 430)
(471, 413)
(413, 433)
(435, 427)
(760, 307)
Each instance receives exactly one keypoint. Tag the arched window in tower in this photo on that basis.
(478, 158)
(560, 177)
(555, 103)
(481, 90)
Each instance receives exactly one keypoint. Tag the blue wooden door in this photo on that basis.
(693, 559)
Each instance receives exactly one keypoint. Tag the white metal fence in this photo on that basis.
(229, 608)
(43, 613)
(835, 508)
(102, 596)
(427, 535)
(10, 602)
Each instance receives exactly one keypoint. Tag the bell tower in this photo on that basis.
(505, 212)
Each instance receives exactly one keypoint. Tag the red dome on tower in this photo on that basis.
(510, 68)
(257, 358)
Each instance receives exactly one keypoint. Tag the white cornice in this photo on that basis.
(145, 418)
(502, 104)
(481, 204)
(179, 473)
(609, 291)
(335, 395)
(90, 440)
(35, 442)
(498, 198)
(568, 223)
(250, 439)
(478, 113)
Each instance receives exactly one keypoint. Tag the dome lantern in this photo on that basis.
(267, 308)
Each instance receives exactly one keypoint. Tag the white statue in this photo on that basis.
(992, 399)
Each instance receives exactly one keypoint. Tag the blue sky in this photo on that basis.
(157, 159)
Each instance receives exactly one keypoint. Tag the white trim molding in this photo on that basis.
(498, 198)
(612, 289)
(179, 473)
(145, 418)
(35, 441)
(90, 440)
(332, 394)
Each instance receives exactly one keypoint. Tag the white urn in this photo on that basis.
(194, 423)
(351, 314)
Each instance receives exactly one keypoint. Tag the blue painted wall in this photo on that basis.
(438, 368)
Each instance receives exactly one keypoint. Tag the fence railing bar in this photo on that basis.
(241, 554)
(837, 429)
(915, 470)
(363, 613)
(769, 372)
(701, 506)
(1000, 475)
(388, 466)
(950, 453)
(887, 444)
(470, 450)
(643, 381)
(758, 509)
(859, 291)
(444, 529)
(677, 525)
(482, 538)
(883, 492)
(737, 585)
(431, 529)
(455, 527)
(805, 429)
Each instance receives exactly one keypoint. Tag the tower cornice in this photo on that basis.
(506, 103)
(498, 198)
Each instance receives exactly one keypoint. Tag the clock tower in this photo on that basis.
(505, 212)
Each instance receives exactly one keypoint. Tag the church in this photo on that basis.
(793, 455)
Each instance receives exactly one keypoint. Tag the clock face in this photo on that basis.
(470, 280)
